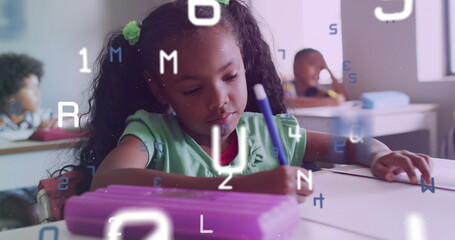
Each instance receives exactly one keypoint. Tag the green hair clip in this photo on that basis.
(225, 2)
(131, 32)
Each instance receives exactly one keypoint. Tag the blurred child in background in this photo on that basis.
(20, 96)
(20, 99)
(303, 91)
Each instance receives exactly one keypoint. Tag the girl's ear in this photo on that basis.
(157, 90)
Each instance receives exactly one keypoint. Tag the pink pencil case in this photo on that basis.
(231, 215)
(57, 134)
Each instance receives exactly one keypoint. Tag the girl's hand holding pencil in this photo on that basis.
(281, 180)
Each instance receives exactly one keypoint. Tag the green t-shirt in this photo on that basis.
(177, 152)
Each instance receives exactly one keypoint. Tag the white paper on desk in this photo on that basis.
(443, 178)
(18, 135)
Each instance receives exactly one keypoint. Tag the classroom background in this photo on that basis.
(414, 56)
(384, 55)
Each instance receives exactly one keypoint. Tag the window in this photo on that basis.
(450, 33)
(435, 40)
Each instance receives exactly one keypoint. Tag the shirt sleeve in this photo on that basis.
(289, 89)
(3, 123)
(294, 138)
(137, 127)
(34, 119)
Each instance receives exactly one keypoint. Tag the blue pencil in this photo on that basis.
(264, 105)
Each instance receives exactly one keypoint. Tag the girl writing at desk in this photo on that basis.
(303, 91)
(133, 139)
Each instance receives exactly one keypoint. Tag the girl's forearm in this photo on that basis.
(323, 147)
(147, 177)
(364, 152)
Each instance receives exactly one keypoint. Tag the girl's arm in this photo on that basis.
(370, 152)
(125, 165)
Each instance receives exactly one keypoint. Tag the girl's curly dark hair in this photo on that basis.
(14, 68)
(119, 88)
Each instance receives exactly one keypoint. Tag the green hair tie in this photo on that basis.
(131, 32)
(225, 2)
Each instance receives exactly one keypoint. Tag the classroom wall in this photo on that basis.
(384, 57)
(299, 24)
(119, 12)
(55, 31)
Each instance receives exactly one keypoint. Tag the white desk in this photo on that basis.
(24, 163)
(379, 209)
(354, 208)
(383, 122)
